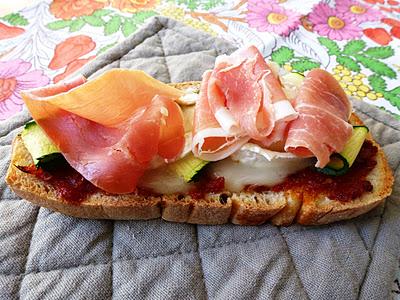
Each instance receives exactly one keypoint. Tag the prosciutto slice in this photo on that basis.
(210, 140)
(109, 129)
(322, 126)
(240, 99)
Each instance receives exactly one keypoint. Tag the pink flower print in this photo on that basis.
(357, 11)
(332, 24)
(265, 15)
(15, 77)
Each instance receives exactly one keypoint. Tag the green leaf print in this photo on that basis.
(393, 99)
(396, 90)
(76, 25)
(333, 48)
(354, 47)
(376, 66)
(304, 65)
(102, 12)
(377, 83)
(191, 4)
(282, 55)
(93, 21)
(348, 62)
(210, 4)
(113, 25)
(105, 48)
(15, 19)
(380, 52)
(110, 20)
(201, 4)
(56, 25)
(140, 17)
(128, 27)
(354, 57)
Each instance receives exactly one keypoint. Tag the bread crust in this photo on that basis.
(243, 208)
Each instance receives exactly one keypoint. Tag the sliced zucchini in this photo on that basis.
(341, 162)
(188, 166)
(43, 151)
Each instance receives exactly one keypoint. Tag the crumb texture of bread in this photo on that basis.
(283, 208)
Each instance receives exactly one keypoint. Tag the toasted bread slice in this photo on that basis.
(245, 208)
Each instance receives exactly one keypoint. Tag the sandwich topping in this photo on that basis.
(109, 129)
(242, 99)
(72, 187)
(250, 125)
(342, 188)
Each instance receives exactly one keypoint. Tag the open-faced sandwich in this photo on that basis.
(248, 144)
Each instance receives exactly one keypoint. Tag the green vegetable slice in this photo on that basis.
(341, 162)
(45, 154)
(188, 166)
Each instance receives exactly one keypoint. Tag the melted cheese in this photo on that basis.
(250, 165)
(238, 175)
(163, 181)
(255, 165)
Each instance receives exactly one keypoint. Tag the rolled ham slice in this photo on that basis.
(210, 141)
(322, 126)
(240, 99)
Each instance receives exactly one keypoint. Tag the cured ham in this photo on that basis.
(114, 128)
(322, 126)
(210, 140)
(109, 129)
(240, 99)
(244, 86)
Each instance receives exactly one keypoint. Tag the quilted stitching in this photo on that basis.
(165, 58)
(28, 248)
(201, 262)
(13, 232)
(57, 256)
(148, 255)
(169, 44)
(389, 249)
(287, 251)
(78, 240)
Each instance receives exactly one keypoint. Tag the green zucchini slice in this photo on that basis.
(188, 166)
(45, 154)
(341, 162)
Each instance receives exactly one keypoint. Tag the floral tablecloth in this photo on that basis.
(358, 41)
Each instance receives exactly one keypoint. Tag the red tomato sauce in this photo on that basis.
(207, 185)
(68, 183)
(72, 187)
(341, 188)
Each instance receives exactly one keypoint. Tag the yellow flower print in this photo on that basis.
(353, 83)
(173, 12)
